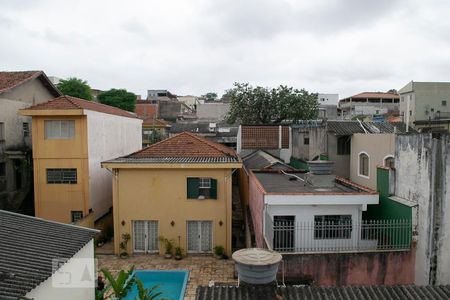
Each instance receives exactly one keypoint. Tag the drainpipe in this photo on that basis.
(407, 113)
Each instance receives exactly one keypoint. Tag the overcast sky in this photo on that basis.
(193, 47)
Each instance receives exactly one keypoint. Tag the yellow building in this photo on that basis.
(70, 138)
(179, 188)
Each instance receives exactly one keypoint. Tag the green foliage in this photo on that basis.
(258, 105)
(120, 98)
(147, 294)
(211, 96)
(120, 286)
(219, 250)
(168, 244)
(123, 244)
(155, 136)
(178, 251)
(75, 87)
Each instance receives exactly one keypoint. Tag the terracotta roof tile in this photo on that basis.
(184, 145)
(155, 122)
(10, 80)
(68, 102)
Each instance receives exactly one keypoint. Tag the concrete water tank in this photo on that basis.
(257, 266)
(320, 167)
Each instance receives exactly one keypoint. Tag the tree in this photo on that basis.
(261, 105)
(75, 87)
(120, 98)
(211, 96)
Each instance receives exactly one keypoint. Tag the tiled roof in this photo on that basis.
(68, 102)
(260, 159)
(185, 147)
(351, 127)
(27, 248)
(376, 95)
(155, 122)
(404, 292)
(10, 80)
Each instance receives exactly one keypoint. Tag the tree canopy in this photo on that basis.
(259, 105)
(210, 96)
(75, 87)
(120, 98)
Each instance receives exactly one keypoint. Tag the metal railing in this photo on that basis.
(366, 235)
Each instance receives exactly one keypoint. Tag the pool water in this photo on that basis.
(172, 284)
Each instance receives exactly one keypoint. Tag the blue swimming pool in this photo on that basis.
(172, 284)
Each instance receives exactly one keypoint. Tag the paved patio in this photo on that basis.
(202, 269)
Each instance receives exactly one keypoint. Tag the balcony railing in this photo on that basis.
(366, 235)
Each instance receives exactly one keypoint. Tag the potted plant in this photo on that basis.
(219, 251)
(168, 246)
(178, 253)
(123, 245)
(100, 240)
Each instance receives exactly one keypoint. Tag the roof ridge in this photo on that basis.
(152, 145)
(49, 221)
(68, 98)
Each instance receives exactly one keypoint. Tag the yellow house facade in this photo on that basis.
(70, 138)
(179, 188)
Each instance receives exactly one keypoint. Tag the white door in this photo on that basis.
(145, 236)
(199, 236)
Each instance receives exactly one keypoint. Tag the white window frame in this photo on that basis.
(60, 136)
(198, 222)
(204, 183)
(386, 157)
(368, 165)
(146, 236)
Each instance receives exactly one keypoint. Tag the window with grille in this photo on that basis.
(363, 164)
(59, 129)
(26, 129)
(333, 227)
(76, 215)
(61, 176)
(306, 139)
(201, 188)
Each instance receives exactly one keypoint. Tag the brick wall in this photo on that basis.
(264, 137)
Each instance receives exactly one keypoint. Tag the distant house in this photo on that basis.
(328, 106)
(369, 104)
(150, 126)
(45, 260)
(18, 90)
(222, 133)
(71, 137)
(179, 188)
(274, 139)
(368, 151)
(332, 140)
(426, 106)
(146, 109)
(212, 111)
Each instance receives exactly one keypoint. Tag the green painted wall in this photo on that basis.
(388, 208)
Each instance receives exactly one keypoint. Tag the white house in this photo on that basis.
(45, 260)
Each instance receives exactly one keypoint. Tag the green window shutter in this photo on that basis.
(192, 188)
(213, 189)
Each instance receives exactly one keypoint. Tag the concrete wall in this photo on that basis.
(317, 142)
(109, 136)
(421, 178)
(256, 204)
(46, 290)
(342, 269)
(341, 166)
(161, 195)
(378, 147)
(213, 111)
